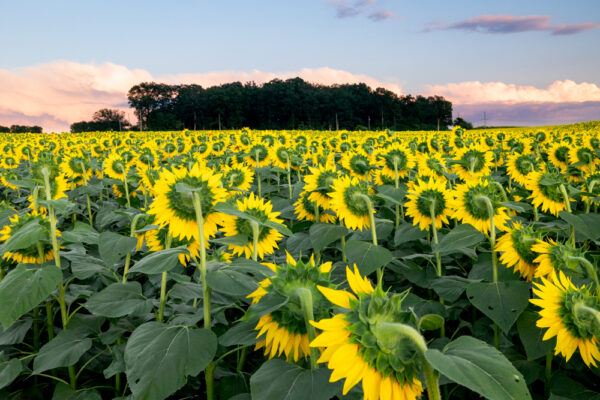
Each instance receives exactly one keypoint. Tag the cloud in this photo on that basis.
(514, 24)
(474, 92)
(56, 94)
(351, 9)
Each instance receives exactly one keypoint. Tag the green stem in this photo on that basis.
(406, 331)
(306, 303)
(438, 257)
(289, 178)
(344, 258)
(563, 191)
(163, 285)
(588, 203)
(56, 249)
(396, 185)
(126, 186)
(257, 172)
(591, 271)
(255, 237)
(131, 234)
(49, 320)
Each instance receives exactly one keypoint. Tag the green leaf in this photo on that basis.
(502, 302)
(450, 288)
(61, 206)
(241, 333)
(9, 370)
(113, 247)
(300, 242)
(28, 235)
(65, 392)
(81, 233)
(517, 206)
(118, 300)
(24, 288)
(586, 225)
(279, 380)
(367, 256)
(16, 333)
(159, 261)
(323, 234)
(391, 194)
(430, 322)
(481, 368)
(462, 236)
(229, 280)
(268, 303)
(531, 336)
(407, 233)
(237, 240)
(62, 351)
(159, 358)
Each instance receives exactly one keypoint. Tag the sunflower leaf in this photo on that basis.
(27, 236)
(160, 261)
(463, 235)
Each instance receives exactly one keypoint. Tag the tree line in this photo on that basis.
(284, 104)
(20, 129)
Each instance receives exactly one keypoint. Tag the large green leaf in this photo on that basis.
(160, 261)
(113, 247)
(480, 367)
(9, 370)
(24, 288)
(118, 300)
(27, 236)
(81, 233)
(460, 237)
(585, 225)
(62, 351)
(16, 333)
(407, 233)
(159, 358)
(367, 256)
(323, 234)
(279, 380)
(232, 280)
(531, 336)
(65, 392)
(502, 302)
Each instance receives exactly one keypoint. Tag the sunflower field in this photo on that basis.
(295, 265)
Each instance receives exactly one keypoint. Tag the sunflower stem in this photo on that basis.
(209, 371)
(396, 185)
(56, 250)
(590, 269)
(49, 320)
(490, 209)
(255, 238)
(407, 331)
(87, 195)
(256, 155)
(548, 369)
(344, 258)
(132, 234)
(306, 302)
(163, 285)
(563, 191)
(590, 189)
(126, 186)
(289, 177)
(438, 257)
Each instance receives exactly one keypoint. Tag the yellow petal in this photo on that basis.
(340, 298)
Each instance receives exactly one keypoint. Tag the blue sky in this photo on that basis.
(413, 44)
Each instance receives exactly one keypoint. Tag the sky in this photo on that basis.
(521, 62)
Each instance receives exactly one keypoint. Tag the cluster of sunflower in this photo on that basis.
(248, 190)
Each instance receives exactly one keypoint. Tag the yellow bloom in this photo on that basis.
(422, 197)
(348, 204)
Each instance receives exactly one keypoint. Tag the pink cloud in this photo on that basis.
(57, 94)
(514, 24)
(475, 92)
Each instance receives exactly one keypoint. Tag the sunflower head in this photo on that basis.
(546, 192)
(554, 257)
(425, 197)
(319, 182)
(348, 201)
(306, 210)
(470, 205)
(357, 346)
(516, 247)
(570, 313)
(284, 330)
(36, 253)
(472, 163)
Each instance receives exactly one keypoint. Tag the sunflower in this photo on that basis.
(58, 188)
(10, 175)
(472, 164)
(156, 241)
(558, 156)
(358, 163)
(546, 192)
(516, 247)
(554, 257)
(318, 184)
(583, 158)
(422, 197)
(470, 208)
(431, 164)
(571, 314)
(520, 166)
(116, 165)
(37, 253)
(237, 178)
(354, 350)
(176, 208)
(396, 158)
(348, 204)
(305, 210)
(283, 331)
(262, 210)
(76, 167)
(148, 177)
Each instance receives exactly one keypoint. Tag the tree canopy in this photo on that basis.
(289, 104)
(103, 120)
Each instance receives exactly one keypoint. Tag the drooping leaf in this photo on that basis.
(62, 351)
(159, 261)
(159, 358)
(9, 370)
(16, 333)
(480, 367)
(367, 256)
(24, 288)
(27, 236)
(322, 235)
(113, 247)
(531, 336)
(462, 236)
(118, 300)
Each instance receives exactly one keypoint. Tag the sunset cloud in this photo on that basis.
(514, 24)
(350, 9)
(57, 94)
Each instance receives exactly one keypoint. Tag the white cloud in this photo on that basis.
(57, 94)
(475, 92)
